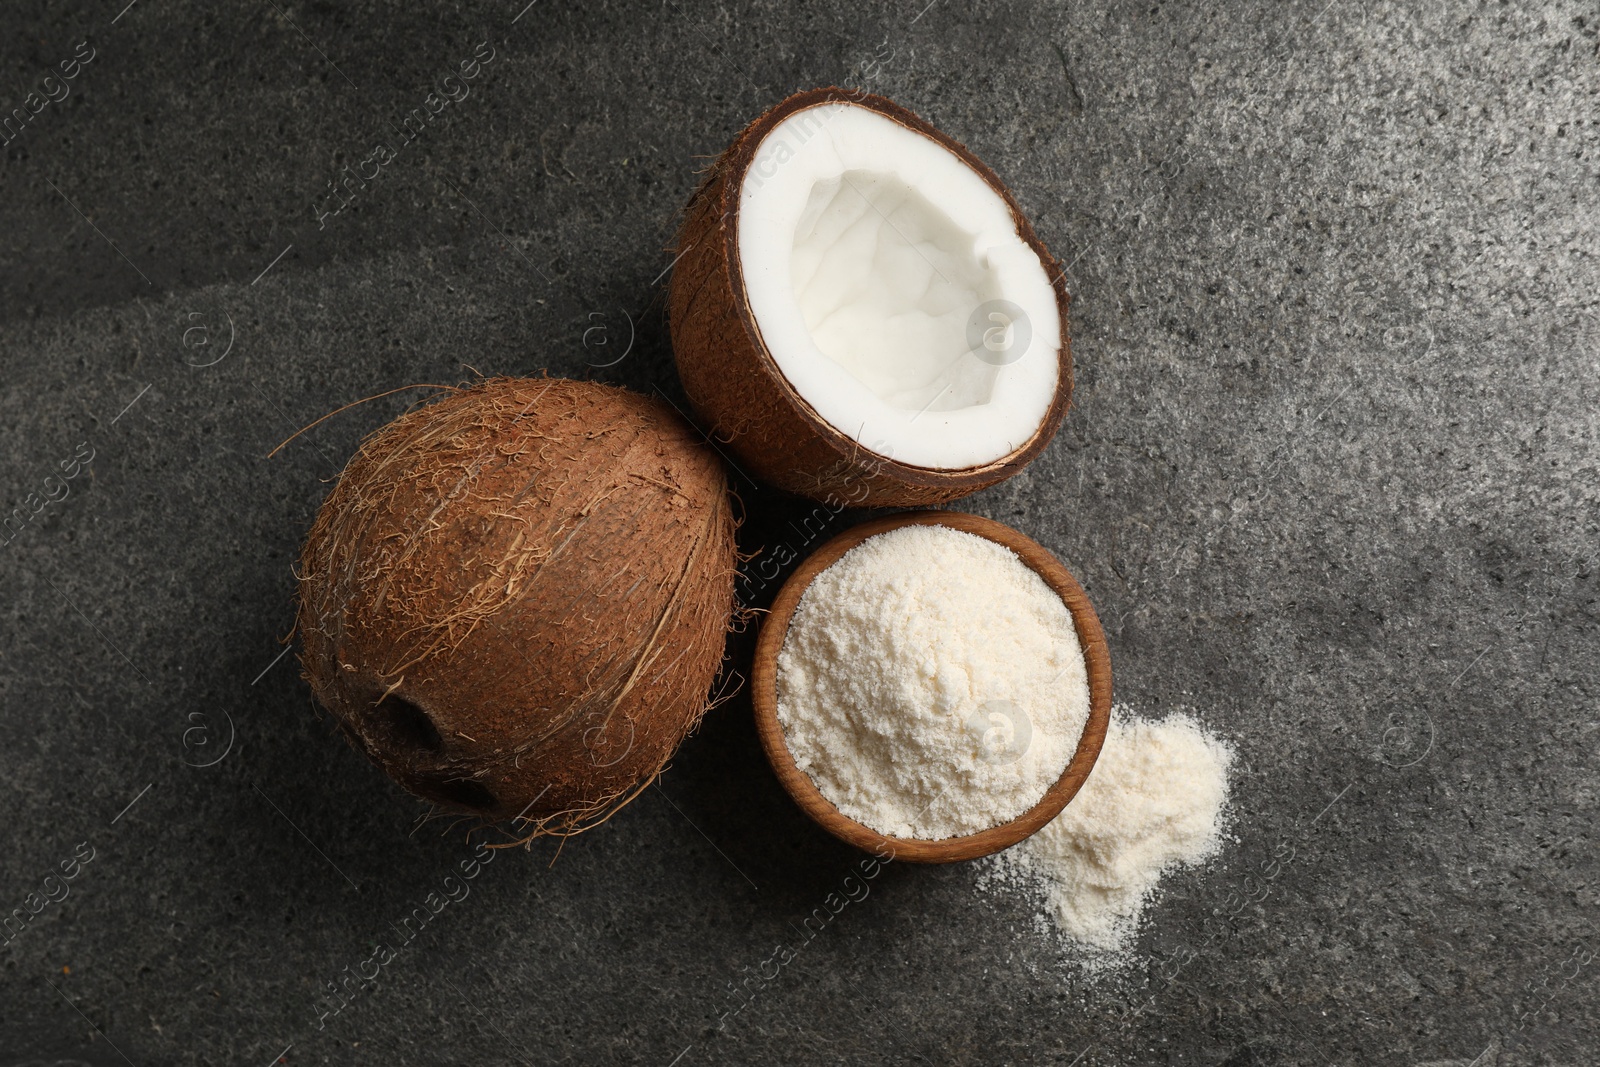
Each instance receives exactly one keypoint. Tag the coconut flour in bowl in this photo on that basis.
(931, 684)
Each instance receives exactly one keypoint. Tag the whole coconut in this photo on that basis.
(515, 599)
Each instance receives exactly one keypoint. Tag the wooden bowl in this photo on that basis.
(764, 693)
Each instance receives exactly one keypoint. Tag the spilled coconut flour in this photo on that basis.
(931, 684)
(1153, 802)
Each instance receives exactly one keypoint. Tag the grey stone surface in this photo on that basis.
(1330, 478)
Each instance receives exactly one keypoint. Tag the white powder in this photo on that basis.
(1154, 801)
(931, 684)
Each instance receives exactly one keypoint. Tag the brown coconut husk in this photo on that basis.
(515, 599)
(737, 388)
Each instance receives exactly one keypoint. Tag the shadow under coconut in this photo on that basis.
(720, 777)
(317, 813)
(284, 803)
(632, 349)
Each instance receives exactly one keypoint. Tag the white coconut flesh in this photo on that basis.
(890, 286)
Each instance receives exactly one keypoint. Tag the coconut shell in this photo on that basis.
(737, 388)
(515, 599)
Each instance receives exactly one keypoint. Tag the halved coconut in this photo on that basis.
(861, 311)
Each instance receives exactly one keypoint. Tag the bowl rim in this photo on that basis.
(798, 784)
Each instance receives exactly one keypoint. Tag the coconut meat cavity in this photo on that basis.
(893, 290)
(931, 684)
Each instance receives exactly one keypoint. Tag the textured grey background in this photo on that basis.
(1330, 478)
